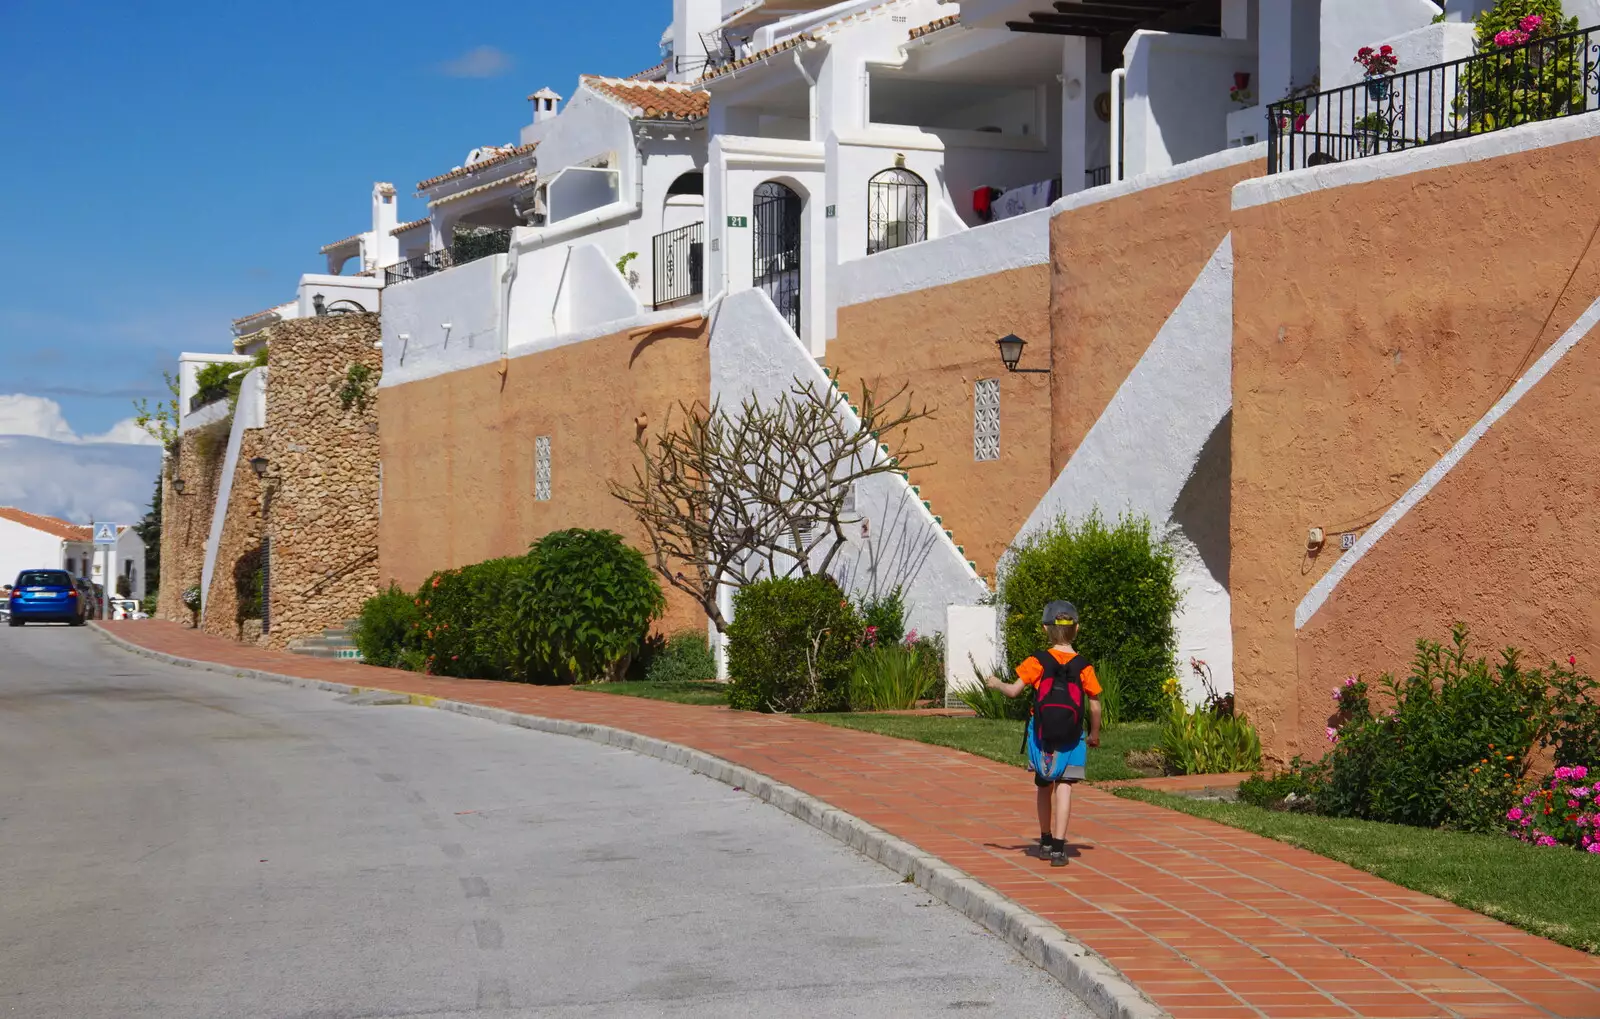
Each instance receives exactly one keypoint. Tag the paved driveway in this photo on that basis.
(175, 844)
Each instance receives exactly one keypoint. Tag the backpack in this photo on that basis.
(1056, 723)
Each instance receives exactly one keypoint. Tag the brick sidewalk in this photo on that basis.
(1209, 921)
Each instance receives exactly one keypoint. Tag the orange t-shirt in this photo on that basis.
(1030, 670)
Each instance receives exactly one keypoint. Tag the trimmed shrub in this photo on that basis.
(464, 624)
(386, 627)
(583, 607)
(1122, 578)
(685, 659)
(790, 645)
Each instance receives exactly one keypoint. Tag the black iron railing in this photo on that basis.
(210, 394)
(466, 248)
(1557, 76)
(1097, 176)
(679, 259)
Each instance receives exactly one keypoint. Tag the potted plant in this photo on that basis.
(1368, 130)
(1379, 63)
(1240, 92)
(1292, 115)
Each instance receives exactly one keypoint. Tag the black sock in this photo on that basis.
(1045, 839)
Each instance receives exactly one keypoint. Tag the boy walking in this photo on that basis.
(1057, 743)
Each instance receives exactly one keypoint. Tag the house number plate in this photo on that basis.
(738, 221)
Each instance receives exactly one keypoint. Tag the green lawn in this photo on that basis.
(996, 739)
(705, 692)
(1553, 892)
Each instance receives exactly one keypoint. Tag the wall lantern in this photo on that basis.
(259, 465)
(317, 305)
(178, 485)
(1011, 353)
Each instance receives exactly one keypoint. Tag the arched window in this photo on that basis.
(897, 210)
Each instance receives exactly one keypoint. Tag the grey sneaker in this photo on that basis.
(1058, 854)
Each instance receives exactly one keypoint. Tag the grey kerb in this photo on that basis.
(1041, 942)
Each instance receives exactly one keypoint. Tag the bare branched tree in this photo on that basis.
(765, 491)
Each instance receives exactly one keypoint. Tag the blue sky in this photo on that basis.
(170, 167)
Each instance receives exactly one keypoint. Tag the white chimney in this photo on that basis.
(546, 104)
(385, 249)
(691, 21)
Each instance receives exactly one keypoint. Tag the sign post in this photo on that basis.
(105, 542)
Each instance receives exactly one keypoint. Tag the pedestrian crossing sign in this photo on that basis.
(105, 534)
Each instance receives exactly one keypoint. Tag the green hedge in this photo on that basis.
(583, 607)
(465, 623)
(387, 627)
(576, 608)
(790, 646)
(1123, 580)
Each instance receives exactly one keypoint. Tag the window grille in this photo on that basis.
(986, 420)
(897, 210)
(541, 468)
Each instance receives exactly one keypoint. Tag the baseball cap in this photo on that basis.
(1058, 613)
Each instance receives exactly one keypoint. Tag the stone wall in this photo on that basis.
(186, 518)
(321, 505)
(238, 550)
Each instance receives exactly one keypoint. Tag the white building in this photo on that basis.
(32, 541)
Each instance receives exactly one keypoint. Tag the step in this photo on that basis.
(331, 653)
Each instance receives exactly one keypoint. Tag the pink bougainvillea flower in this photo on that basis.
(1333, 734)
(1531, 23)
(1545, 840)
(1515, 813)
(1580, 771)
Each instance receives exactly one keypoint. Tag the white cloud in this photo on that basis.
(34, 415)
(46, 467)
(78, 481)
(37, 416)
(478, 62)
(126, 433)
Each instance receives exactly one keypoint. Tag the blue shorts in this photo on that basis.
(1077, 760)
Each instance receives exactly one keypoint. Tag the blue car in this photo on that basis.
(46, 596)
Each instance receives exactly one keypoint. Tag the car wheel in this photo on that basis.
(79, 621)
(14, 622)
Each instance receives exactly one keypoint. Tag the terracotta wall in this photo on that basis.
(321, 509)
(1373, 325)
(1119, 269)
(458, 451)
(238, 551)
(186, 518)
(939, 342)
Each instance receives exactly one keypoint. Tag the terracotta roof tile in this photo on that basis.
(935, 25)
(810, 35)
(656, 73)
(653, 100)
(478, 167)
(339, 244)
(263, 313)
(403, 227)
(756, 57)
(49, 525)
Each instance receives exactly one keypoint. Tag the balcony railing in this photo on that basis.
(210, 394)
(1544, 79)
(466, 248)
(1097, 176)
(679, 263)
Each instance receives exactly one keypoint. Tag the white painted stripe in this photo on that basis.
(1319, 593)
(1524, 138)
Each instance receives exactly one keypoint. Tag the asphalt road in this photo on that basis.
(179, 844)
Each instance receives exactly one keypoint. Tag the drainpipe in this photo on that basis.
(811, 87)
(1119, 87)
(506, 279)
